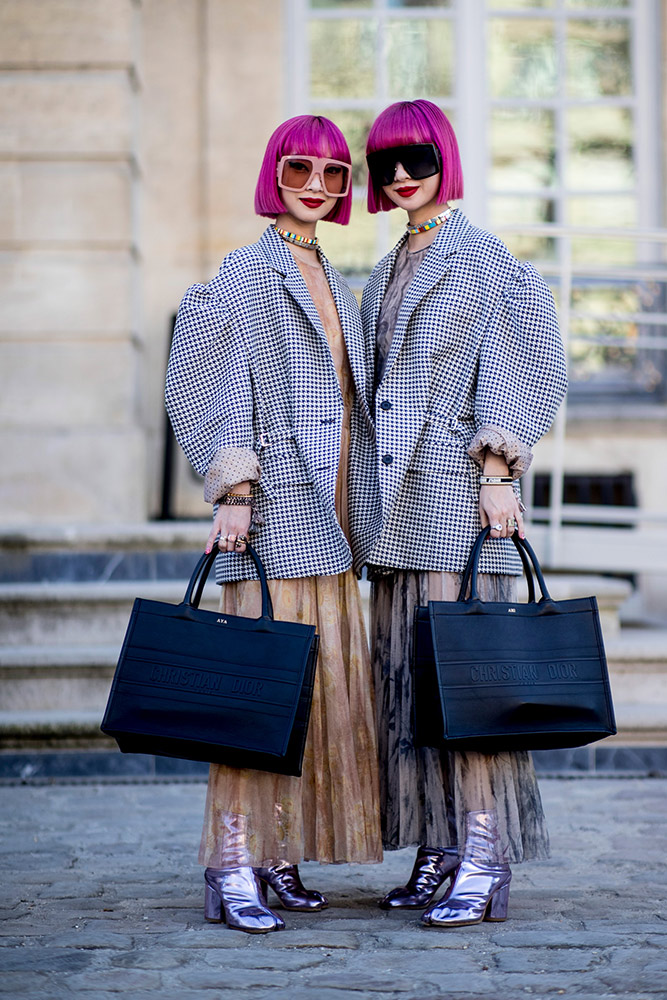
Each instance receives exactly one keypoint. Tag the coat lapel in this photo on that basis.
(377, 285)
(314, 399)
(350, 319)
(401, 441)
(434, 268)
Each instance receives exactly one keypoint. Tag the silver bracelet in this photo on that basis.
(495, 480)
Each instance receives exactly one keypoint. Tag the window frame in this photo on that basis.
(472, 105)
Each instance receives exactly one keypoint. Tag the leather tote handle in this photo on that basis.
(528, 559)
(195, 588)
(474, 556)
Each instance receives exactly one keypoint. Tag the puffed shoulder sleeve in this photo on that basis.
(522, 376)
(209, 391)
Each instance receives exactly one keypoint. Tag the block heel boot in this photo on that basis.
(286, 882)
(432, 867)
(233, 896)
(481, 888)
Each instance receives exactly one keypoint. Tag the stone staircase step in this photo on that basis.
(637, 661)
(58, 729)
(53, 678)
(40, 684)
(73, 613)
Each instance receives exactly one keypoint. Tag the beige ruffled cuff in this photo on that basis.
(517, 454)
(229, 467)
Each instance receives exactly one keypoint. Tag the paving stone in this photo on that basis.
(114, 981)
(114, 882)
(232, 979)
(21, 984)
(313, 939)
(91, 937)
(44, 960)
(347, 984)
(162, 958)
(566, 939)
(553, 960)
(422, 939)
(207, 936)
(254, 958)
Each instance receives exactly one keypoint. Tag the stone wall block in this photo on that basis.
(65, 201)
(55, 113)
(65, 292)
(10, 200)
(76, 474)
(66, 384)
(65, 31)
(249, 66)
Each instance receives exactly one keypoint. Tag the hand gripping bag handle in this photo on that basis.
(195, 588)
(527, 555)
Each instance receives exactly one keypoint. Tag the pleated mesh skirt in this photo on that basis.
(425, 793)
(331, 813)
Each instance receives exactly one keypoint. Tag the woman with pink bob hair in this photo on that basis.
(266, 390)
(469, 373)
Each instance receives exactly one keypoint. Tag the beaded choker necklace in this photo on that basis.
(424, 227)
(300, 241)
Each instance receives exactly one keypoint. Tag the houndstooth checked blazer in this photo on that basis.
(476, 357)
(250, 367)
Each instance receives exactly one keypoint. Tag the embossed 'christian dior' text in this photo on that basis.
(201, 680)
(494, 673)
(196, 680)
(527, 673)
(247, 686)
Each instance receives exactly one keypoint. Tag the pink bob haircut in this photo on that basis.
(309, 135)
(416, 121)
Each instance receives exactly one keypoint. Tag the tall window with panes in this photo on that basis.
(555, 105)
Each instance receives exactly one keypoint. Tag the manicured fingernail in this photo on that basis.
(208, 550)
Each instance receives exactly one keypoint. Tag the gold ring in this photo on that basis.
(242, 538)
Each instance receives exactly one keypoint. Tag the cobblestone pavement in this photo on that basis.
(102, 895)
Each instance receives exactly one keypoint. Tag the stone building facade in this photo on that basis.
(131, 132)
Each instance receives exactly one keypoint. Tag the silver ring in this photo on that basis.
(497, 527)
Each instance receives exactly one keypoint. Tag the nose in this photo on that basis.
(400, 173)
(315, 183)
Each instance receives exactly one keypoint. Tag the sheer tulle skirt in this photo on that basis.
(425, 794)
(331, 813)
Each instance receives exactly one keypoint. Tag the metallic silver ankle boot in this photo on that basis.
(482, 885)
(433, 866)
(233, 895)
(286, 882)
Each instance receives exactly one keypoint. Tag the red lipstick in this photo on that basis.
(312, 202)
(406, 192)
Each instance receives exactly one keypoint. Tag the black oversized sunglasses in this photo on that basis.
(420, 159)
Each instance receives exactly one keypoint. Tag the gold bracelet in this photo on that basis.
(236, 500)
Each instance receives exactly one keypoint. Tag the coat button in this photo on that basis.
(387, 459)
(385, 404)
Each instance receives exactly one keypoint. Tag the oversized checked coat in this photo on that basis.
(251, 369)
(476, 360)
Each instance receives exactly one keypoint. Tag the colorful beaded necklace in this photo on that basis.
(301, 241)
(424, 227)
